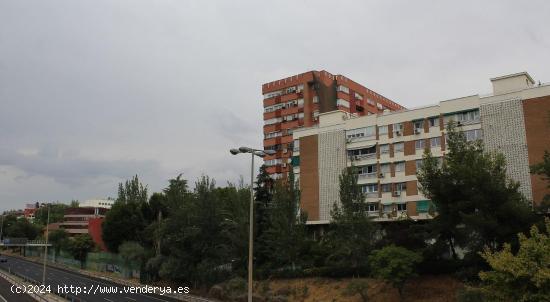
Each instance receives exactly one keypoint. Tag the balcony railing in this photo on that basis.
(362, 156)
(367, 175)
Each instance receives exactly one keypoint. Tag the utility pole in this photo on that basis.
(46, 247)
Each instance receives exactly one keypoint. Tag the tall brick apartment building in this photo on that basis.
(297, 101)
(387, 147)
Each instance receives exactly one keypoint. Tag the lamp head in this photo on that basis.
(269, 152)
(234, 151)
(245, 150)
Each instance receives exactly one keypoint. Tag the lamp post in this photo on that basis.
(259, 153)
(46, 247)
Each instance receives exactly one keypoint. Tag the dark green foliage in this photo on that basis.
(80, 246)
(394, 264)
(59, 240)
(126, 220)
(543, 169)
(360, 287)
(263, 195)
(20, 228)
(285, 235)
(57, 211)
(352, 234)
(193, 237)
(477, 204)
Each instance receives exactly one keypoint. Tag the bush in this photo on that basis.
(470, 295)
(360, 287)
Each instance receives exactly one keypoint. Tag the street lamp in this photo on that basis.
(46, 247)
(260, 153)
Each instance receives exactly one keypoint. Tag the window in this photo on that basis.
(384, 168)
(358, 96)
(472, 135)
(434, 122)
(418, 125)
(398, 147)
(398, 128)
(300, 88)
(382, 130)
(435, 142)
(343, 88)
(419, 163)
(385, 188)
(401, 207)
(388, 208)
(360, 132)
(399, 166)
(290, 89)
(273, 121)
(273, 162)
(315, 99)
(372, 207)
(272, 94)
(273, 134)
(343, 103)
(420, 144)
(401, 186)
(361, 152)
(273, 107)
(296, 145)
(370, 188)
(370, 169)
(384, 148)
(469, 116)
(370, 102)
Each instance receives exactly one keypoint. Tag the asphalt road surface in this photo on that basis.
(57, 277)
(7, 296)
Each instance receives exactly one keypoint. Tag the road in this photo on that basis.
(7, 296)
(57, 277)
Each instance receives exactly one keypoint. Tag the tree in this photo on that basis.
(351, 236)
(74, 203)
(21, 228)
(543, 169)
(263, 196)
(194, 237)
(59, 240)
(132, 252)
(524, 276)
(284, 242)
(80, 246)
(394, 264)
(57, 212)
(125, 221)
(477, 204)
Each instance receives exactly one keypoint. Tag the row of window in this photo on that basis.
(463, 117)
(387, 208)
(385, 188)
(286, 118)
(385, 167)
(471, 135)
(289, 104)
(287, 90)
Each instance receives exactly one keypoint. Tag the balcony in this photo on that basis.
(362, 156)
(367, 175)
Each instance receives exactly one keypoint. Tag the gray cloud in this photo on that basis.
(71, 169)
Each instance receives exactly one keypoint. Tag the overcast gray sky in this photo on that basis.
(93, 92)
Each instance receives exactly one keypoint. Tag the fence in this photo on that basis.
(95, 261)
